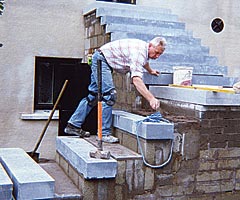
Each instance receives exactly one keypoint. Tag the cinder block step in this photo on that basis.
(6, 185)
(76, 152)
(200, 97)
(133, 124)
(167, 78)
(29, 179)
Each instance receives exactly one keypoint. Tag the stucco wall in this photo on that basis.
(198, 16)
(28, 29)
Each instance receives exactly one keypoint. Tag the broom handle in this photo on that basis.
(50, 116)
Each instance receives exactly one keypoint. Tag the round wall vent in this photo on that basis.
(217, 25)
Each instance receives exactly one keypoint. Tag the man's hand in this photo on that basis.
(150, 70)
(155, 72)
(154, 103)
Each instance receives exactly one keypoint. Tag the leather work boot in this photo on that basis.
(73, 130)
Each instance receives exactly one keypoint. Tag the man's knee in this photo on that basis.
(92, 99)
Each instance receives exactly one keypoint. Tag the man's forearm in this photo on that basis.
(148, 68)
(142, 89)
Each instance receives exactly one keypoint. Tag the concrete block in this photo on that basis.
(6, 185)
(202, 97)
(76, 151)
(131, 123)
(29, 179)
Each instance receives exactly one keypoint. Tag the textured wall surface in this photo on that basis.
(198, 17)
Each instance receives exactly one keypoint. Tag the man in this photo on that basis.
(126, 55)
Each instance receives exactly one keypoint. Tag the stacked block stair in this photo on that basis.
(134, 21)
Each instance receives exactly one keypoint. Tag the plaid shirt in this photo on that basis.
(127, 55)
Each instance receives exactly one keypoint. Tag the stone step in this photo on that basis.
(109, 19)
(146, 14)
(132, 123)
(175, 44)
(64, 186)
(121, 6)
(167, 78)
(111, 28)
(195, 96)
(188, 59)
(174, 40)
(198, 68)
(6, 185)
(30, 181)
(76, 151)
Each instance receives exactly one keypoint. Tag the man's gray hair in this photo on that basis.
(159, 41)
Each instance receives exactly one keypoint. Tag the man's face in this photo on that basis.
(155, 51)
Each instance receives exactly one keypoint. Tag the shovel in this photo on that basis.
(34, 155)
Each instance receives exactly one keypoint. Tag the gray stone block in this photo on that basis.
(111, 28)
(119, 6)
(29, 179)
(109, 19)
(76, 151)
(175, 44)
(133, 124)
(198, 68)
(167, 78)
(144, 14)
(201, 97)
(188, 59)
(6, 185)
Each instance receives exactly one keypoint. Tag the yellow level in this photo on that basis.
(206, 87)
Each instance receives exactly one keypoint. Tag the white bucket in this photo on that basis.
(182, 75)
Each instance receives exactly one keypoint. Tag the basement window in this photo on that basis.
(50, 75)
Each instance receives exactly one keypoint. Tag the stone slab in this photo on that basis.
(6, 185)
(133, 124)
(196, 96)
(76, 151)
(29, 179)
